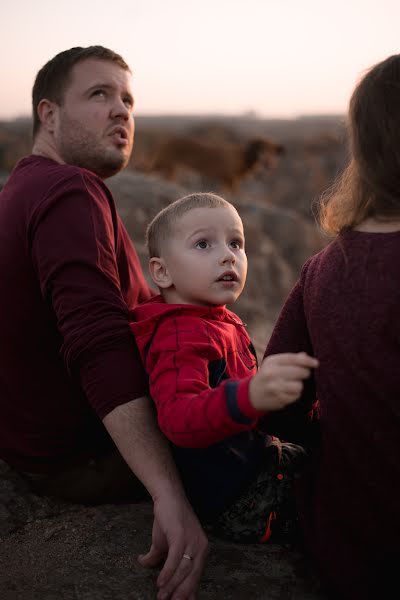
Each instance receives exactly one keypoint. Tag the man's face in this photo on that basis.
(205, 258)
(94, 124)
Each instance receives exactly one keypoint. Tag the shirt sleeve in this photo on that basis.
(191, 413)
(291, 334)
(73, 237)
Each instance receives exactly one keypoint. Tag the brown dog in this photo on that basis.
(223, 163)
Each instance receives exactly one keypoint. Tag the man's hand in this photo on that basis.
(176, 530)
(179, 540)
(279, 381)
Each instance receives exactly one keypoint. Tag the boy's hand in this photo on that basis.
(279, 381)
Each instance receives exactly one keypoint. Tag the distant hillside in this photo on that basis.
(15, 135)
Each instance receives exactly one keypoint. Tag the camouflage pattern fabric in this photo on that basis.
(266, 510)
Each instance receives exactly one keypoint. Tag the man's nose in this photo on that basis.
(120, 109)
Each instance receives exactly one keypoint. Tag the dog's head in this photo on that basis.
(262, 151)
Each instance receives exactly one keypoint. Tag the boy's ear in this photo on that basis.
(159, 273)
(47, 113)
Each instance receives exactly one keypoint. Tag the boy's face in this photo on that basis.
(205, 258)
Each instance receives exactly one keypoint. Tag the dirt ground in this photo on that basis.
(57, 551)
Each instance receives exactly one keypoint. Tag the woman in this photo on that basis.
(345, 310)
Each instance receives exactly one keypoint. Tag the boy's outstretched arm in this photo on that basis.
(193, 414)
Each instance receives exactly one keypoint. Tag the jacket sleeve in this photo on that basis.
(297, 422)
(191, 413)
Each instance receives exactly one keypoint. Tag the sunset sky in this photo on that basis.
(278, 58)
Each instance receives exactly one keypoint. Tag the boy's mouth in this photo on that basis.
(228, 276)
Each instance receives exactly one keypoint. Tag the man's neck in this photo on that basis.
(42, 147)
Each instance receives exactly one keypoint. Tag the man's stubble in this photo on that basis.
(82, 147)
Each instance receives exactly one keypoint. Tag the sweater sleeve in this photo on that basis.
(191, 413)
(72, 239)
(291, 334)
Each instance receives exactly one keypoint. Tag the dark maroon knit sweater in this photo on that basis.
(345, 310)
(68, 275)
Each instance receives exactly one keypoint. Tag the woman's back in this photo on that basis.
(346, 311)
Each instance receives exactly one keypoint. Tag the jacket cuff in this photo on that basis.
(239, 406)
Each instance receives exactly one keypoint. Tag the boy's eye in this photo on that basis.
(98, 93)
(202, 244)
(236, 244)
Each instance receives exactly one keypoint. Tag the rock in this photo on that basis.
(58, 551)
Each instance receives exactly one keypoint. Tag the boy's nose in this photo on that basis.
(228, 257)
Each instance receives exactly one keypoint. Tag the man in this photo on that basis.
(71, 385)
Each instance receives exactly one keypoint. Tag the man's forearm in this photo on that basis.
(134, 429)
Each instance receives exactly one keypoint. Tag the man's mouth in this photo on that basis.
(120, 135)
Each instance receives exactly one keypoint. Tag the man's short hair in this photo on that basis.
(161, 227)
(54, 76)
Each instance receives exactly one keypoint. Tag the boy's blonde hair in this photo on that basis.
(160, 228)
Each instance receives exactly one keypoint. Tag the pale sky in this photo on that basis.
(279, 58)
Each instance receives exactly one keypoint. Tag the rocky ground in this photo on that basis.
(57, 551)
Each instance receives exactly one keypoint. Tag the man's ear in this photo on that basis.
(47, 112)
(159, 273)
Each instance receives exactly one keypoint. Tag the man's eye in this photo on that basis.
(128, 103)
(202, 244)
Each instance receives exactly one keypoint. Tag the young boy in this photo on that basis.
(203, 374)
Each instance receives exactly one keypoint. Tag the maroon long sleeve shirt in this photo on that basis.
(69, 275)
(345, 310)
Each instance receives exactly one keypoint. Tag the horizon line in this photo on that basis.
(246, 115)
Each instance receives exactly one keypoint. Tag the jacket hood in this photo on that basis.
(148, 314)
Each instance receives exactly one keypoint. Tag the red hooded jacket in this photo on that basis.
(187, 351)
(200, 361)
